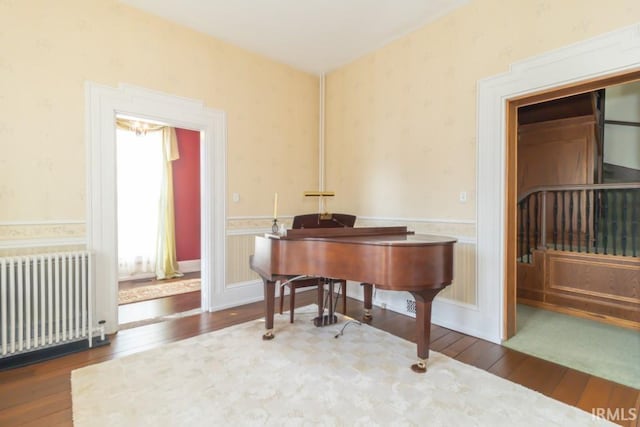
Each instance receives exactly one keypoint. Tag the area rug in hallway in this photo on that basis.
(304, 376)
(599, 349)
(157, 290)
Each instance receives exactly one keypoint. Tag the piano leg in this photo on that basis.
(423, 326)
(269, 305)
(368, 298)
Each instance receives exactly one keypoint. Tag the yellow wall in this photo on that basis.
(401, 121)
(48, 49)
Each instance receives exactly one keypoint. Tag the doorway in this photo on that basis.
(103, 104)
(605, 56)
(152, 289)
(511, 214)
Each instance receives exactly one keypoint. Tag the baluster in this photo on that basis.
(586, 214)
(614, 220)
(605, 221)
(555, 220)
(597, 195)
(563, 219)
(521, 231)
(623, 232)
(526, 228)
(534, 213)
(634, 221)
(579, 217)
(543, 220)
(570, 221)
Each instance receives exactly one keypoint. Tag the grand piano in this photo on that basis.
(390, 258)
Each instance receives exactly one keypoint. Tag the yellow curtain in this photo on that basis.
(166, 259)
(137, 125)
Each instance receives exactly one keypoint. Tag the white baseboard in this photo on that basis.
(137, 277)
(189, 266)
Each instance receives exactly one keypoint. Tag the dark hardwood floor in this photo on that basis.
(139, 312)
(40, 394)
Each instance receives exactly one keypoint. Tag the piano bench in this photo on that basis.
(317, 282)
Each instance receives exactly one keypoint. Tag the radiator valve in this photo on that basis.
(101, 323)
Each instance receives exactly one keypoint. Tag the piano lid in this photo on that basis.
(365, 235)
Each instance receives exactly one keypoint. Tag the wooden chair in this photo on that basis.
(316, 221)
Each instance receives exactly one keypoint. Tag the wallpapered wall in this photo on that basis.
(49, 49)
(406, 113)
(400, 125)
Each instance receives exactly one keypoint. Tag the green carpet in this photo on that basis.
(596, 348)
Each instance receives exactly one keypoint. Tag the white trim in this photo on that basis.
(138, 276)
(189, 266)
(368, 218)
(42, 222)
(424, 220)
(249, 283)
(102, 105)
(248, 231)
(258, 217)
(608, 54)
(321, 139)
(183, 267)
(41, 243)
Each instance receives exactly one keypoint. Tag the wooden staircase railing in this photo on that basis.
(590, 218)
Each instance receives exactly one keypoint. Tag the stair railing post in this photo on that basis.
(543, 221)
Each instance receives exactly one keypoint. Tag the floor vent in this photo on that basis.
(411, 306)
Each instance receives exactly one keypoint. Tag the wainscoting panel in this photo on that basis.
(463, 288)
(239, 248)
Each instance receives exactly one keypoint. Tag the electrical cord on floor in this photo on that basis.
(359, 323)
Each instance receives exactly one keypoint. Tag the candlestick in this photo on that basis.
(275, 206)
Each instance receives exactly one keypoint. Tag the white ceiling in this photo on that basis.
(313, 35)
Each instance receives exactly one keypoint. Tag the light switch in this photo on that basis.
(235, 197)
(463, 197)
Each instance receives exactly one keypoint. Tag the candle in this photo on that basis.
(275, 206)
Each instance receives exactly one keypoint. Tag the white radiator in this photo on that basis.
(45, 300)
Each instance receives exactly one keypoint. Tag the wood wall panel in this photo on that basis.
(558, 152)
(604, 277)
(603, 287)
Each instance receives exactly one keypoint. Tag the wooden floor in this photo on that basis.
(138, 312)
(40, 394)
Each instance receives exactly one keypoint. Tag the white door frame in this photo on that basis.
(102, 104)
(609, 54)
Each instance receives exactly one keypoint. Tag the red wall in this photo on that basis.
(186, 195)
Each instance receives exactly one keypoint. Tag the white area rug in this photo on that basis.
(304, 376)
